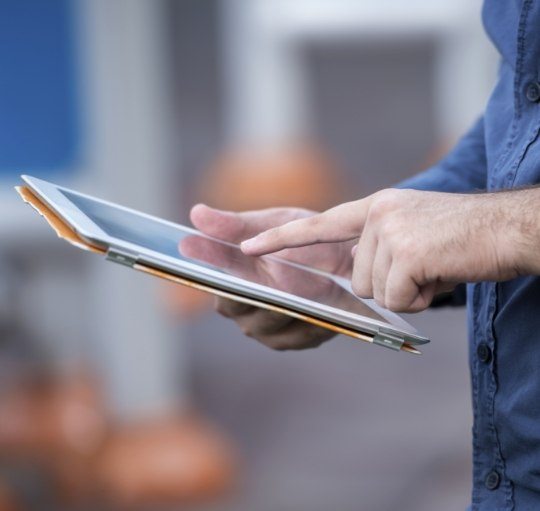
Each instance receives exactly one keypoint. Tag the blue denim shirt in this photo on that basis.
(502, 151)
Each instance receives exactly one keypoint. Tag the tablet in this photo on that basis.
(164, 248)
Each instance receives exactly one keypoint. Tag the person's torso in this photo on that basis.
(504, 318)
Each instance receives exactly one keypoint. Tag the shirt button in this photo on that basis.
(493, 480)
(483, 352)
(533, 92)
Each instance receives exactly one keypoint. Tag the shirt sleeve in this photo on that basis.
(464, 169)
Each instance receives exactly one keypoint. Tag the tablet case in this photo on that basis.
(65, 232)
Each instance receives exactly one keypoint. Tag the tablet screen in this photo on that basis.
(174, 241)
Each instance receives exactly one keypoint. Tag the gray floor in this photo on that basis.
(345, 427)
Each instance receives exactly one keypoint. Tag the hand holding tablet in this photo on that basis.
(272, 329)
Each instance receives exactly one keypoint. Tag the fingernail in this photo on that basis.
(353, 250)
(249, 244)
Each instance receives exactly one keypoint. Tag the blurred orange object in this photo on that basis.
(58, 423)
(61, 426)
(43, 415)
(7, 499)
(175, 460)
(245, 179)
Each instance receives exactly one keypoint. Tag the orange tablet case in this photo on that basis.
(65, 232)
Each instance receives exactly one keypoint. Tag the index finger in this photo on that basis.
(340, 223)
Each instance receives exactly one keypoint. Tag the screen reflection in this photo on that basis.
(274, 273)
(174, 241)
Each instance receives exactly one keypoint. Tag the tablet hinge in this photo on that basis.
(120, 257)
(388, 339)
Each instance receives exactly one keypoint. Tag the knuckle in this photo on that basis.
(393, 304)
(380, 302)
(313, 221)
(391, 195)
(385, 202)
(223, 306)
(406, 249)
(230, 308)
(361, 289)
(270, 323)
(417, 307)
(300, 213)
(285, 215)
(247, 330)
(391, 228)
(396, 300)
(278, 345)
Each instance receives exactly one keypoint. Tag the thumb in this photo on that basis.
(236, 227)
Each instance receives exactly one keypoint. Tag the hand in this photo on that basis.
(412, 245)
(272, 329)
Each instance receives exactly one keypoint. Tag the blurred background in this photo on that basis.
(121, 392)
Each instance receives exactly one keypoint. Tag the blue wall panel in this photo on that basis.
(39, 119)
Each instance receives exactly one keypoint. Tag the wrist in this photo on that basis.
(518, 232)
